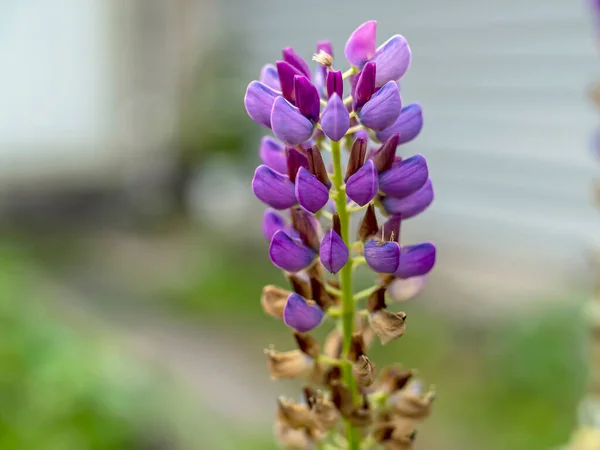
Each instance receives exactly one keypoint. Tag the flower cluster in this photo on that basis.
(318, 130)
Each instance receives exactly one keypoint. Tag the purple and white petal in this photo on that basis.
(408, 124)
(361, 45)
(288, 124)
(335, 120)
(392, 59)
(273, 188)
(310, 192)
(333, 253)
(259, 101)
(382, 110)
(300, 314)
(382, 257)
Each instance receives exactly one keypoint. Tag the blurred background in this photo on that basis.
(131, 257)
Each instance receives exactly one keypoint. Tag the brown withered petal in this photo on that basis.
(407, 403)
(310, 395)
(295, 415)
(273, 300)
(290, 364)
(307, 344)
(333, 344)
(300, 283)
(364, 371)
(342, 398)
(307, 227)
(382, 431)
(404, 444)
(334, 374)
(292, 439)
(325, 413)
(320, 295)
(384, 157)
(356, 347)
(368, 225)
(318, 374)
(361, 417)
(357, 157)
(393, 378)
(362, 326)
(376, 300)
(387, 325)
(317, 166)
(336, 224)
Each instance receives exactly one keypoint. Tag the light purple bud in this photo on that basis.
(365, 85)
(363, 185)
(392, 59)
(335, 83)
(361, 44)
(288, 124)
(301, 315)
(334, 253)
(382, 110)
(288, 254)
(272, 154)
(416, 260)
(269, 76)
(291, 57)
(272, 223)
(307, 98)
(405, 177)
(382, 257)
(336, 119)
(408, 124)
(310, 192)
(319, 80)
(259, 101)
(286, 73)
(410, 205)
(273, 188)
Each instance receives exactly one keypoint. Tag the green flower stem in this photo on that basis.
(346, 287)
(354, 129)
(350, 71)
(365, 293)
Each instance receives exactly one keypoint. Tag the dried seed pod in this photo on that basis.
(292, 439)
(411, 403)
(333, 344)
(290, 364)
(325, 412)
(295, 415)
(387, 325)
(364, 371)
(273, 300)
(393, 378)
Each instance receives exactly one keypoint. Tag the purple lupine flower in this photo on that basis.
(310, 192)
(295, 60)
(333, 253)
(365, 85)
(288, 254)
(289, 124)
(382, 257)
(307, 98)
(272, 154)
(300, 314)
(287, 73)
(294, 161)
(416, 260)
(412, 204)
(408, 124)
(404, 177)
(363, 185)
(335, 120)
(392, 57)
(270, 77)
(259, 102)
(335, 83)
(273, 188)
(382, 110)
(272, 223)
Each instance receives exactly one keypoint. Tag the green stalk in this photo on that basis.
(346, 287)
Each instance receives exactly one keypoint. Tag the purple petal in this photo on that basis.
(259, 101)
(272, 223)
(272, 154)
(363, 185)
(405, 177)
(319, 80)
(360, 46)
(336, 119)
(300, 315)
(292, 58)
(295, 160)
(412, 204)
(334, 253)
(365, 85)
(408, 124)
(269, 76)
(286, 73)
(382, 257)
(335, 83)
(289, 124)
(307, 98)
(416, 260)
(392, 59)
(273, 188)
(289, 255)
(310, 192)
(383, 109)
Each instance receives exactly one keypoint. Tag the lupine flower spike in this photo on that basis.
(331, 156)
